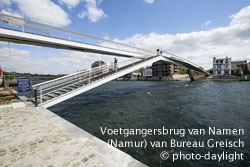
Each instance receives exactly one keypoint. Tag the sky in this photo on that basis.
(193, 29)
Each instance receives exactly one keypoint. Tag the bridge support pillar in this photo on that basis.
(190, 74)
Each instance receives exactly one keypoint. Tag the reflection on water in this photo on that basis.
(146, 104)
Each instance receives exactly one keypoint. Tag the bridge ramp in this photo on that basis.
(58, 90)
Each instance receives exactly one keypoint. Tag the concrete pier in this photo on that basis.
(32, 137)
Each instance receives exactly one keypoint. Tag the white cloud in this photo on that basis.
(200, 47)
(149, 1)
(86, 59)
(63, 63)
(23, 61)
(92, 11)
(4, 3)
(70, 3)
(95, 14)
(81, 15)
(241, 17)
(207, 23)
(9, 11)
(10, 62)
(44, 11)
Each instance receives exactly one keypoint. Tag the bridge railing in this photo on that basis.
(53, 31)
(83, 77)
(182, 60)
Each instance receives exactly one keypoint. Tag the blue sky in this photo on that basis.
(126, 18)
(193, 29)
(129, 17)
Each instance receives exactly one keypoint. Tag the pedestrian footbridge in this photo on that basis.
(57, 90)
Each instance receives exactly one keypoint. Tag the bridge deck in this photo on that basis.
(15, 36)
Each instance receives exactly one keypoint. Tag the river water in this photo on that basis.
(176, 105)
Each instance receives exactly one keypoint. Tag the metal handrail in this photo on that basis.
(23, 22)
(84, 73)
(53, 85)
(79, 81)
(59, 84)
(181, 59)
(65, 77)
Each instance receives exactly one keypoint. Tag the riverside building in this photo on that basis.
(222, 66)
(227, 67)
(162, 70)
(147, 72)
(239, 67)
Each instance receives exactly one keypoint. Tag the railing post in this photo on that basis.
(69, 36)
(31, 87)
(4, 82)
(89, 76)
(36, 102)
(112, 66)
(41, 95)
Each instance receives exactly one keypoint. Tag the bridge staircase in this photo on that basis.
(55, 91)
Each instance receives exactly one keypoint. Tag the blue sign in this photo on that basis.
(23, 84)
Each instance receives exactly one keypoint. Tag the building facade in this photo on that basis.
(225, 67)
(239, 67)
(131, 76)
(222, 66)
(147, 72)
(162, 70)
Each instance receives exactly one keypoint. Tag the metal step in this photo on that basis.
(51, 95)
(68, 88)
(79, 85)
(46, 98)
(73, 86)
(58, 93)
(63, 90)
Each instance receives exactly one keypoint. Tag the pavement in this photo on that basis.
(36, 137)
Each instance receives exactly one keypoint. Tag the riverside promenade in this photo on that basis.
(34, 137)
